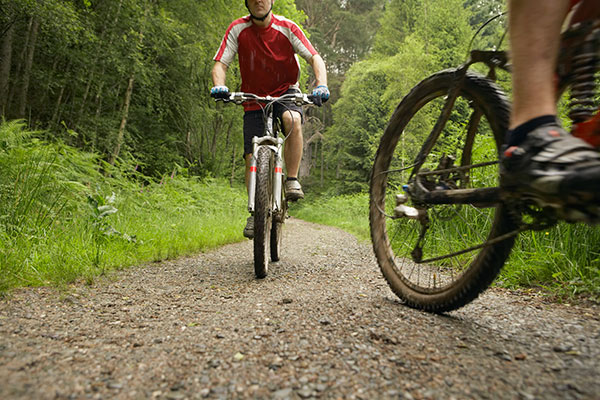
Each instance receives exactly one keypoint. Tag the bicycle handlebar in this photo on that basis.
(300, 99)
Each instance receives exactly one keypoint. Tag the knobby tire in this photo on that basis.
(262, 212)
(434, 294)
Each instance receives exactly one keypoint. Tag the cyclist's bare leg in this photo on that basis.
(543, 161)
(292, 152)
(534, 31)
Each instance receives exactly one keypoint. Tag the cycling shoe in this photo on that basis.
(249, 228)
(293, 190)
(553, 168)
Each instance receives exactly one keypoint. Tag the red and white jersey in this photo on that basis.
(267, 56)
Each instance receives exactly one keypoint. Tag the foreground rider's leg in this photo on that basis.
(292, 121)
(534, 37)
(542, 160)
(292, 152)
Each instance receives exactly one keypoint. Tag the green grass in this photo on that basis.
(564, 259)
(62, 219)
(348, 212)
(165, 221)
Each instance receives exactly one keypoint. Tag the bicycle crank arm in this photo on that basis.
(481, 198)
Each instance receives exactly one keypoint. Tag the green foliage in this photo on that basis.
(399, 21)
(348, 212)
(101, 208)
(360, 116)
(32, 195)
(342, 32)
(416, 38)
(127, 78)
(56, 225)
(565, 259)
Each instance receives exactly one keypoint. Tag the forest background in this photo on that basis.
(113, 153)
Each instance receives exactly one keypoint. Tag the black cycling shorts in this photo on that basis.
(254, 124)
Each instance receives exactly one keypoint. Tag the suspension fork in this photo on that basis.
(278, 176)
(256, 143)
(274, 145)
(252, 178)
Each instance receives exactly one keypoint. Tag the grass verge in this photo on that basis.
(348, 212)
(66, 216)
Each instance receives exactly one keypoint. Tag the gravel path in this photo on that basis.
(323, 324)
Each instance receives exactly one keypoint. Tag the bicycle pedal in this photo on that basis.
(401, 199)
(403, 211)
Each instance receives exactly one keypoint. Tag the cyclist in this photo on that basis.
(267, 45)
(542, 158)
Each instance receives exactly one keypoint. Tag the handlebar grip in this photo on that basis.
(316, 100)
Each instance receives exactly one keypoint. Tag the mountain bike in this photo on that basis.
(266, 197)
(441, 225)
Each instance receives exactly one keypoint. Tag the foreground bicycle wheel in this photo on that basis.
(277, 227)
(262, 212)
(420, 255)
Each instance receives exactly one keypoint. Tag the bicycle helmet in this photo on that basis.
(259, 18)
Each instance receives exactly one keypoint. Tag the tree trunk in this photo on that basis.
(322, 163)
(218, 157)
(57, 107)
(201, 150)
(188, 147)
(28, 65)
(99, 97)
(233, 156)
(121, 133)
(109, 42)
(47, 92)
(19, 64)
(128, 93)
(5, 64)
(83, 102)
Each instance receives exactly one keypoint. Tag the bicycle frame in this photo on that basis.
(270, 140)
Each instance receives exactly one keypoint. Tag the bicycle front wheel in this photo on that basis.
(432, 260)
(262, 212)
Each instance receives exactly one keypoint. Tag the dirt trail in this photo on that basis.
(322, 325)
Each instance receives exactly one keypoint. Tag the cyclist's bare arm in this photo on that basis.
(318, 65)
(219, 73)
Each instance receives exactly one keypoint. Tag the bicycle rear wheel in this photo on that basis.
(413, 254)
(277, 228)
(262, 211)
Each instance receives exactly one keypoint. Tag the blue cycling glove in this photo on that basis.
(321, 91)
(219, 92)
